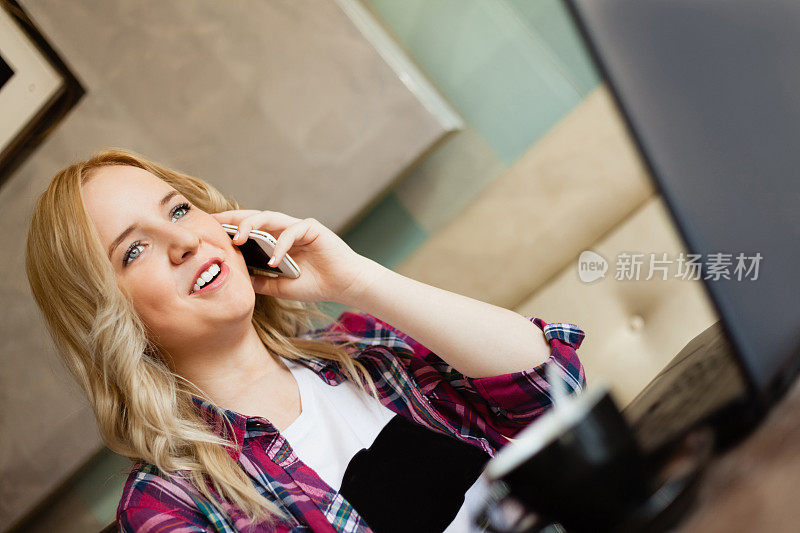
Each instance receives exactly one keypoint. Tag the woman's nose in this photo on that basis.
(183, 244)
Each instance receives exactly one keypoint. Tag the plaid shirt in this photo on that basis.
(411, 381)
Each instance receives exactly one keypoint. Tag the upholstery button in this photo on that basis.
(636, 322)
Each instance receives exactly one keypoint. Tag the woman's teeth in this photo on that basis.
(207, 276)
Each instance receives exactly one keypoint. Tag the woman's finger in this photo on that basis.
(233, 216)
(302, 232)
(270, 221)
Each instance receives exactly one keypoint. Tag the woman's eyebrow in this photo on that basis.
(135, 225)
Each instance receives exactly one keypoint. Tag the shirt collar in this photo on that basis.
(329, 371)
(215, 417)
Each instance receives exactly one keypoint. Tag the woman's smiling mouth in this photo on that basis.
(210, 276)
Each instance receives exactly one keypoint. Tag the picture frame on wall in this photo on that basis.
(37, 89)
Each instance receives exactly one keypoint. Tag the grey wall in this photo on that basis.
(282, 104)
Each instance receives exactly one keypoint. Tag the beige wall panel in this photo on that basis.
(572, 186)
(284, 105)
(633, 327)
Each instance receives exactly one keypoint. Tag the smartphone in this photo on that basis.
(257, 251)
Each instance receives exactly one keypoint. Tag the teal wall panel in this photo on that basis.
(488, 61)
(551, 21)
(442, 184)
(387, 234)
(101, 485)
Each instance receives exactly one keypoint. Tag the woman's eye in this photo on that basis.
(132, 253)
(180, 208)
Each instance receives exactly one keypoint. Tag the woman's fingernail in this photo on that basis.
(235, 235)
(272, 261)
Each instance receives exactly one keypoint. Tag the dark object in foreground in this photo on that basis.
(587, 473)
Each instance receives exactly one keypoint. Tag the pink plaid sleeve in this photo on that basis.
(149, 520)
(508, 402)
(519, 397)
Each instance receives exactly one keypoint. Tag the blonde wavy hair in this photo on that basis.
(144, 410)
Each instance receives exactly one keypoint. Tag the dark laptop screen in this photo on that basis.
(709, 90)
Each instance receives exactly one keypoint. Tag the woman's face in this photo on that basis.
(158, 261)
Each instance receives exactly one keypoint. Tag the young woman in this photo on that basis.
(237, 415)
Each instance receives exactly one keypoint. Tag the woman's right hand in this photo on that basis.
(330, 270)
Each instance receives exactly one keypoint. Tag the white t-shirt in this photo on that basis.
(337, 422)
